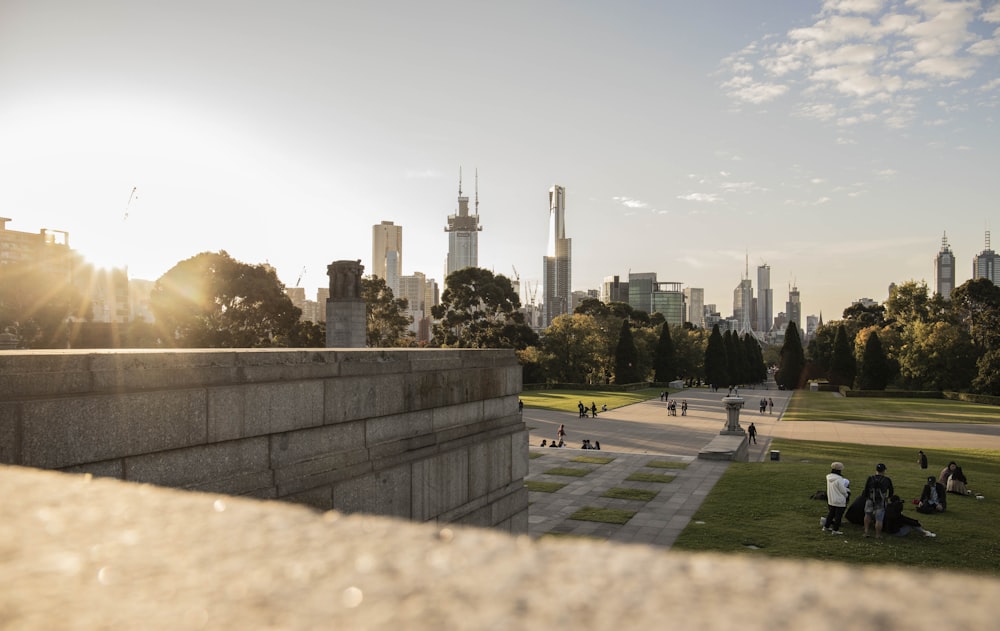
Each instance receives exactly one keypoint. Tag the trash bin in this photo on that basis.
(775, 454)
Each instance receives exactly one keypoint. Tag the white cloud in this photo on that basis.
(416, 174)
(628, 202)
(859, 54)
(700, 197)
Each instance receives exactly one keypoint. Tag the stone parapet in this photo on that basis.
(425, 434)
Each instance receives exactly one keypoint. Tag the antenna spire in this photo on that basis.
(459, 181)
(477, 190)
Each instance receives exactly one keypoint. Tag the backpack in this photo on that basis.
(878, 491)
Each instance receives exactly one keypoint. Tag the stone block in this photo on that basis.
(106, 469)
(381, 493)
(458, 415)
(253, 483)
(489, 465)
(385, 429)
(10, 443)
(199, 465)
(64, 432)
(278, 364)
(280, 407)
(43, 373)
(115, 371)
(319, 498)
(304, 445)
(513, 501)
(322, 473)
(226, 413)
(440, 484)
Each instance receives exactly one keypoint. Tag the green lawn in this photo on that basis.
(765, 509)
(824, 406)
(566, 400)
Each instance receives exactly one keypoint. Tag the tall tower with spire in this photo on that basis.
(463, 232)
(944, 270)
(984, 265)
(557, 263)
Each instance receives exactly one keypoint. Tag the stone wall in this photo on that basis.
(423, 434)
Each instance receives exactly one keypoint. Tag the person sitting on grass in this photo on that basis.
(932, 498)
(957, 482)
(896, 523)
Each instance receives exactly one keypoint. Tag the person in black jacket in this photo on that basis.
(933, 498)
(896, 523)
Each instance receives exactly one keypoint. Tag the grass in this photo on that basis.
(639, 476)
(593, 459)
(566, 400)
(603, 515)
(621, 493)
(824, 406)
(666, 464)
(532, 455)
(568, 471)
(543, 487)
(767, 505)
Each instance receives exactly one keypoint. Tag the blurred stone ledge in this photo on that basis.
(78, 552)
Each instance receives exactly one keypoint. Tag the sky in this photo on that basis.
(835, 141)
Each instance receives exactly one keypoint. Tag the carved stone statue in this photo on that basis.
(345, 278)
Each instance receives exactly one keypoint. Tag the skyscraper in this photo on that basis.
(695, 299)
(793, 308)
(984, 265)
(944, 270)
(387, 254)
(463, 232)
(765, 299)
(557, 263)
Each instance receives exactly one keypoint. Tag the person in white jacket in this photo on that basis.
(838, 490)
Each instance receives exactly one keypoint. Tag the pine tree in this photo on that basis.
(665, 357)
(715, 359)
(626, 357)
(734, 361)
(842, 364)
(793, 359)
(874, 374)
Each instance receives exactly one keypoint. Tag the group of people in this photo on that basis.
(583, 409)
(878, 508)
(766, 405)
(672, 407)
(561, 442)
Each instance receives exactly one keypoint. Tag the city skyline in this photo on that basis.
(834, 141)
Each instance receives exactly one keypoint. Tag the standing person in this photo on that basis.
(770, 405)
(561, 433)
(922, 459)
(878, 490)
(838, 491)
(684, 407)
(752, 434)
(593, 409)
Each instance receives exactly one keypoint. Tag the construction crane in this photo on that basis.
(301, 274)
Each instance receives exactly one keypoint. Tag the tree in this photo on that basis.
(793, 359)
(976, 304)
(214, 301)
(756, 370)
(908, 302)
(821, 349)
(626, 357)
(987, 380)
(387, 322)
(689, 345)
(735, 364)
(874, 373)
(842, 363)
(937, 356)
(37, 299)
(665, 357)
(716, 371)
(571, 349)
(480, 310)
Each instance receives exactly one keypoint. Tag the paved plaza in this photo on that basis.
(639, 434)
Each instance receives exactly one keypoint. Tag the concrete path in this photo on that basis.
(640, 433)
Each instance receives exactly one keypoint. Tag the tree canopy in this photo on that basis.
(480, 310)
(793, 359)
(214, 301)
(387, 320)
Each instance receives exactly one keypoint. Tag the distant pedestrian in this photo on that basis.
(684, 407)
(561, 433)
(661, 395)
(752, 434)
(922, 460)
(520, 405)
(838, 490)
(770, 405)
(593, 409)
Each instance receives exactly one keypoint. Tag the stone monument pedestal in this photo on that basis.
(346, 315)
(733, 405)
